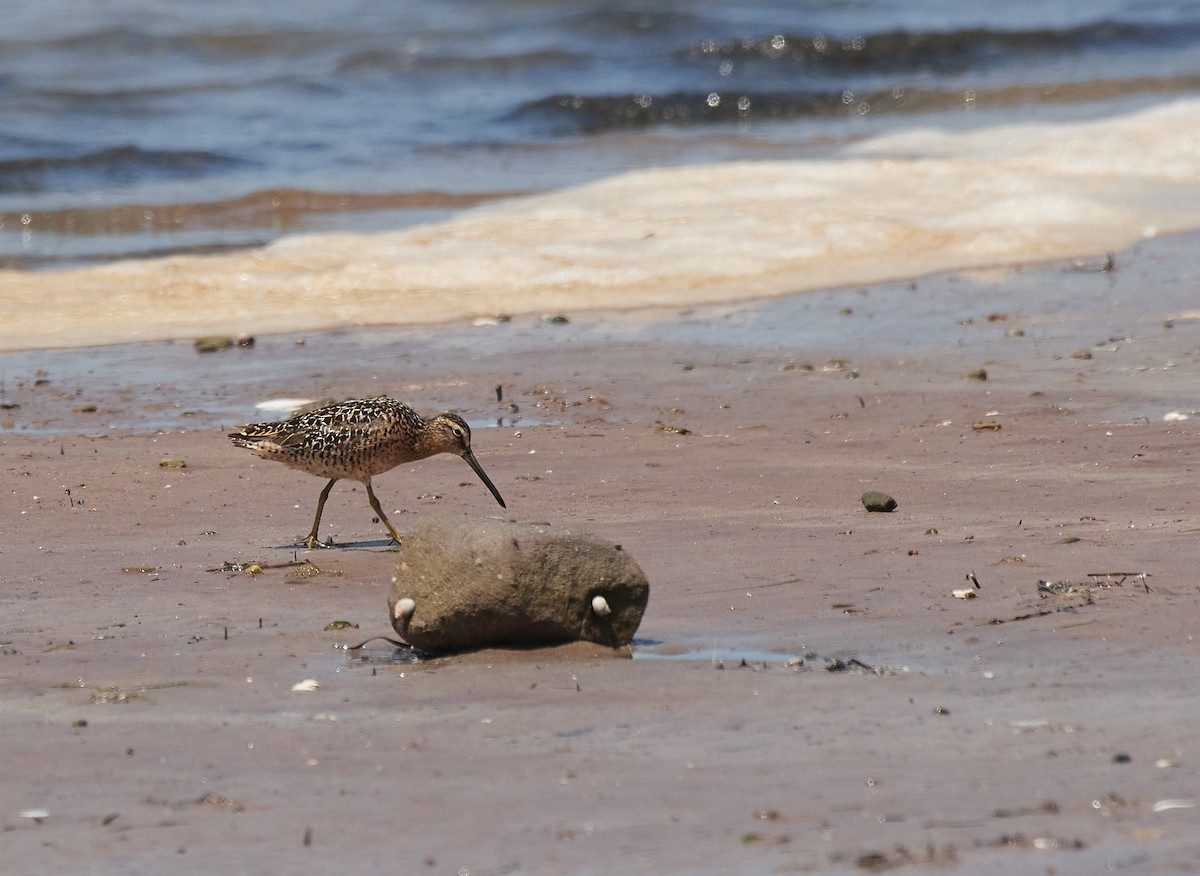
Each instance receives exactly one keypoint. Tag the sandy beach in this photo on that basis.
(806, 693)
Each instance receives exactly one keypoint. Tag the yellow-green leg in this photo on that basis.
(375, 506)
(312, 540)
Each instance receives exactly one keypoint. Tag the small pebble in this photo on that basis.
(213, 343)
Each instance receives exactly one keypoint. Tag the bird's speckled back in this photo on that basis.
(356, 439)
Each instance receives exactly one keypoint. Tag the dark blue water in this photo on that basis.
(143, 127)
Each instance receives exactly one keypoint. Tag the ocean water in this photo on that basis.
(140, 129)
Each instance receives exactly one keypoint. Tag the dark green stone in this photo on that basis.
(874, 500)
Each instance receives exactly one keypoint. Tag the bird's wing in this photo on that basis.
(346, 426)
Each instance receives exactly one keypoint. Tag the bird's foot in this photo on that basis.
(312, 542)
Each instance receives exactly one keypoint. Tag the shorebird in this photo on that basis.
(358, 439)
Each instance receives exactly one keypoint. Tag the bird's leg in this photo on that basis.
(312, 540)
(375, 505)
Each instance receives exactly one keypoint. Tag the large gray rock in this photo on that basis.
(462, 584)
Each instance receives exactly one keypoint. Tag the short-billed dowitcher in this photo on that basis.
(358, 439)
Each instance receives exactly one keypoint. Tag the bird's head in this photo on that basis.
(454, 436)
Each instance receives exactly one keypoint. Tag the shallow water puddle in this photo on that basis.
(721, 657)
(349, 656)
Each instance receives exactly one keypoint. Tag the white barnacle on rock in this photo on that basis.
(600, 606)
(404, 608)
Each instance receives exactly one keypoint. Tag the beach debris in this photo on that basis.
(340, 625)
(1072, 595)
(213, 343)
(1166, 805)
(672, 430)
(1082, 354)
(85, 408)
(35, 814)
(467, 584)
(971, 592)
(555, 319)
(986, 426)
(853, 664)
(873, 500)
(172, 463)
(976, 374)
(1121, 577)
(1061, 588)
(1177, 416)
(304, 568)
(245, 341)
(309, 684)
(207, 800)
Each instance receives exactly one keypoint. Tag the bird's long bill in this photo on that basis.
(487, 482)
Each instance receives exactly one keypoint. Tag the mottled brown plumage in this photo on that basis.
(358, 439)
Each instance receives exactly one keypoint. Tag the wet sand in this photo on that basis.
(149, 711)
